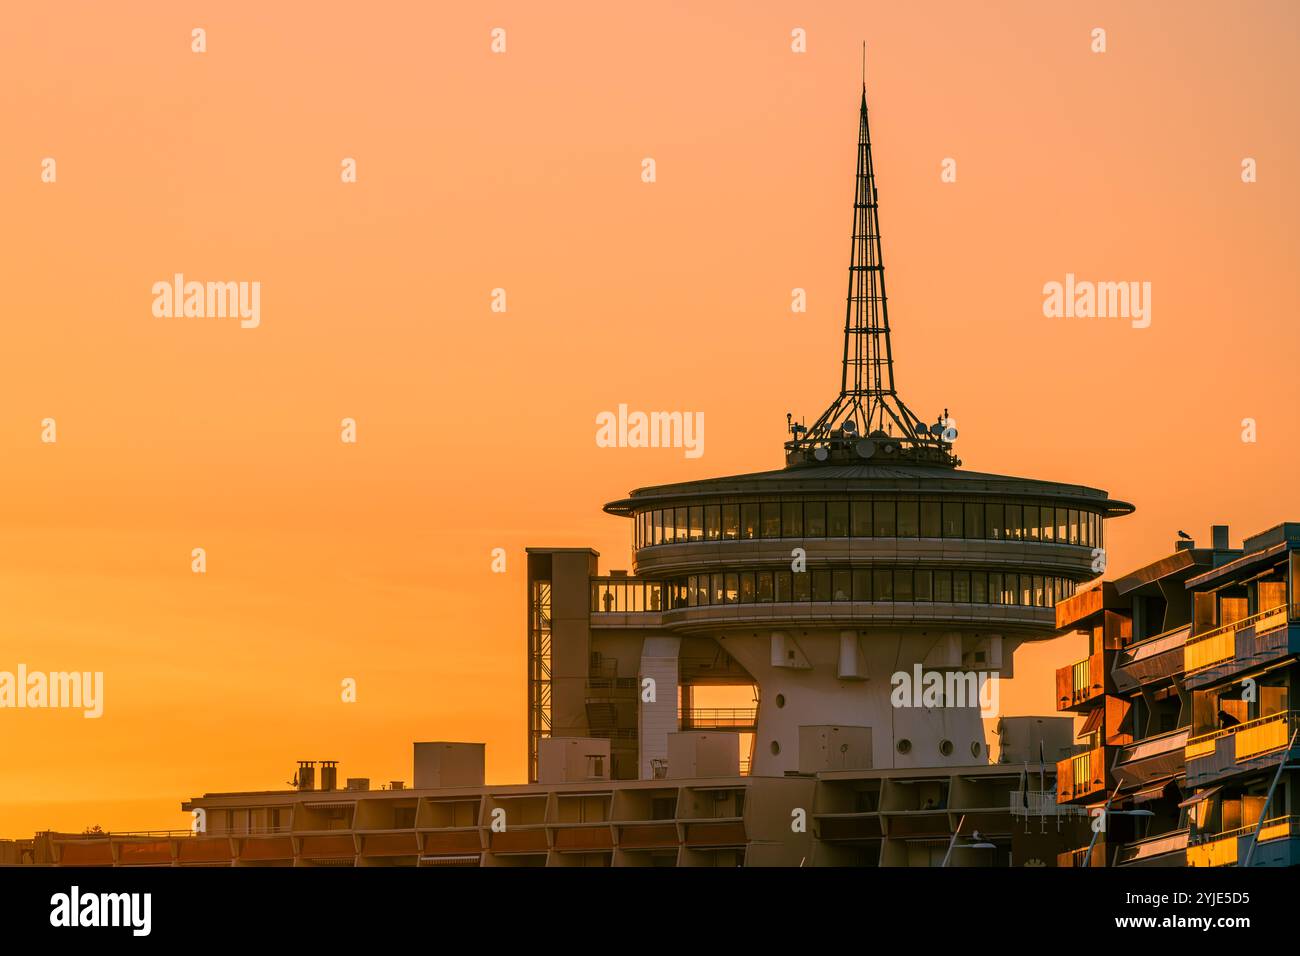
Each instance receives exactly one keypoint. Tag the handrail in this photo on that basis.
(1235, 625)
(1289, 715)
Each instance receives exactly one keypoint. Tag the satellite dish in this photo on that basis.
(936, 429)
(953, 433)
(820, 453)
(865, 448)
(850, 427)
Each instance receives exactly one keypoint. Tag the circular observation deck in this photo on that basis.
(856, 543)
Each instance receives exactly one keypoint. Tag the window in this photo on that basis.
(952, 511)
(1015, 523)
(974, 516)
(814, 516)
(792, 519)
(884, 514)
(1046, 525)
(765, 587)
(748, 588)
(979, 587)
(749, 521)
(862, 585)
(731, 589)
(943, 586)
(784, 593)
(961, 587)
(697, 523)
(995, 588)
(712, 522)
(841, 586)
(821, 585)
(1074, 527)
(657, 527)
(923, 585)
(716, 587)
(862, 519)
(771, 518)
(681, 526)
(930, 519)
(993, 521)
(731, 521)
(1062, 525)
(837, 519)
(802, 586)
(902, 585)
(882, 582)
(909, 520)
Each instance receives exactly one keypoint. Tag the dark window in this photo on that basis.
(837, 519)
(747, 588)
(682, 525)
(974, 519)
(712, 522)
(802, 583)
(841, 586)
(1015, 523)
(923, 585)
(697, 522)
(979, 587)
(952, 519)
(814, 519)
(732, 592)
(943, 586)
(783, 587)
(771, 519)
(961, 587)
(884, 519)
(716, 597)
(993, 521)
(862, 585)
(1046, 523)
(930, 519)
(1062, 525)
(882, 583)
(764, 586)
(821, 582)
(862, 519)
(792, 519)
(909, 525)
(731, 521)
(749, 521)
(903, 585)
(1074, 527)
(995, 588)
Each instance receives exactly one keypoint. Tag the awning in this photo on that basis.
(1153, 792)
(1197, 798)
(1092, 722)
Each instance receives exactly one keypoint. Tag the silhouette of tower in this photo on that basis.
(868, 420)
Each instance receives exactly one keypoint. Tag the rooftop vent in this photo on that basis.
(305, 778)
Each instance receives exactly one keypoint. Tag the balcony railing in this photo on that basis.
(620, 595)
(1081, 681)
(717, 717)
(1081, 775)
(1220, 644)
(1259, 736)
(1151, 847)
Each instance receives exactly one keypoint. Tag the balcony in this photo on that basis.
(1151, 758)
(1254, 745)
(1219, 654)
(1083, 775)
(1154, 658)
(1278, 845)
(739, 719)
(1080, 858)
(1081, 682)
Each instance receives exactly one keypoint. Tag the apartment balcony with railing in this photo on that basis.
(1233, 648)
(1084, 775)
(1254, 745)
(1277, 843)
(1081, 683)
(1164, 849)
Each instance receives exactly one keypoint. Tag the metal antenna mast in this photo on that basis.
(868, 416)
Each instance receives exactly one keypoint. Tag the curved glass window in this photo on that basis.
(893, 517)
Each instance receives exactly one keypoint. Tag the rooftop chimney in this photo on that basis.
(1219, 536)
(306, 775)
(329, 775)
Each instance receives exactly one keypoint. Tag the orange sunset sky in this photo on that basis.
(476, 429)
